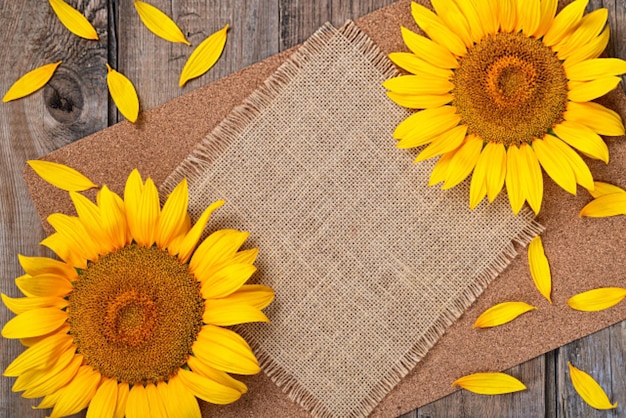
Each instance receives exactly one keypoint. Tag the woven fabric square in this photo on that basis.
(369, 264)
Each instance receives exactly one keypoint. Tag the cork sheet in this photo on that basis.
(583, 253)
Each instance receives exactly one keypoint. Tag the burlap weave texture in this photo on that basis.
(369, 264)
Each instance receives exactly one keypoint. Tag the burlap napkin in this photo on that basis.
(369, 264)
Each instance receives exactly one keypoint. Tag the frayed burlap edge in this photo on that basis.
(238, 121)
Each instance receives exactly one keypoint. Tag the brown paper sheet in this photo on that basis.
(583, 253)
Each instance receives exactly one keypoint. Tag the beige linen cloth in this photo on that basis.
(369, 264)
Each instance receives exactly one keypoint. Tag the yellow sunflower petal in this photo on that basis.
(113, 218)
(437, 30)
(478, 185)
(556, 165)
(62, 248)
(418, 85)
(606, 205)
(48, 401)
(204, 56)
(137, 405)
(55, 381)
(496, 172)
(90, 217)
(490, 383)
(75, 234)
(528, 16)
(595, 68)
(463, 161)
(502, 313)
(532, 179)
(73, 20)
(423, 126)
(31, 82)
(487, 11)
(512, 179)
(173, 215)
(415, 65)
(257, 295)
(589, 90)
(454, 19)
(159, 23)
(440, 170)
(123, 94)
(565, 22)
(34, 375)
(579, 167)
(181, 401)
(583, 139)
(191, 239)
(468, 9)
(41, 265)
(225, 350)
(590, 27)
(507, 12)
(424, 47)
(602, 189)
(157, 405)
(224, 312)
(61, 176)
(104, 400)
(144, 226)
(595, 116)
(34, 322)
(446, 142)
(45, 285)
(589, 389)
(19, 305)
(78, 392)
(226, 281)
(30, 341)
(417, 101)
(41, 355)
(539, 268)
(547, 12)
(122, 398)
(207, 389)
(218, 376)
(592, 49)
(216, 252)
(597, 299)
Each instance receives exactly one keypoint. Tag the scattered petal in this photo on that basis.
(490, 383)
(204, 56)
(607, 205)
(73, 20)
(502, 313)
(159, 23)
(602, 188)
(61, 176)
(31, 82)
(539, 268)
(589, 389)
(597, 299)
(123, 93)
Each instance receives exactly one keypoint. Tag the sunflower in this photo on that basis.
(504, 88)
(131, 321)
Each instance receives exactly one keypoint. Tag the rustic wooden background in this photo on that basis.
(76, 103)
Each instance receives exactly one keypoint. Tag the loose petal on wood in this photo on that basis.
(31, 82)
(589, 389)
(159, 23)
(61, 176)
(204, 56)
(123, 93)
(597, 299)
(73, 20)
(490, 383)
(502, 313)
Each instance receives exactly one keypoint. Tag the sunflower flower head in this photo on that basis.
(503, 88)
(131, 321)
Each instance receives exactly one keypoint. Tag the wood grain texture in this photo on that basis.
(75, 103)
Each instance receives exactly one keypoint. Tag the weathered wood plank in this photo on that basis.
(72, 105)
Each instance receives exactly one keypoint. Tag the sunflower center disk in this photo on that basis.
(135, 313)
(509, 89)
